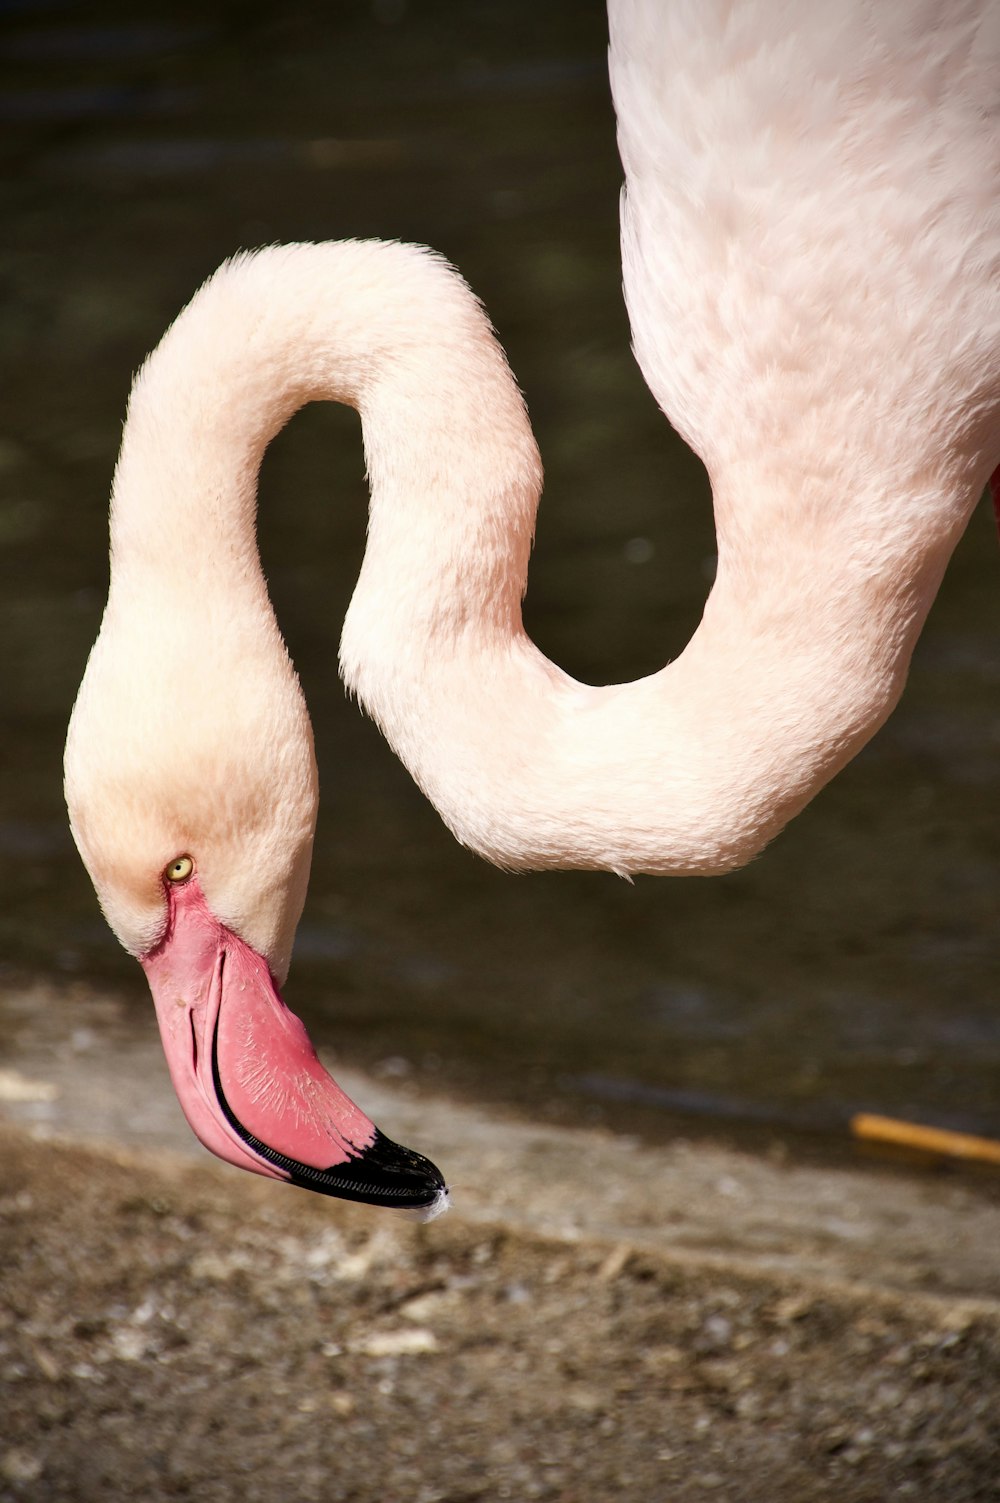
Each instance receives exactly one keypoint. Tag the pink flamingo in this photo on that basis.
(811, 252)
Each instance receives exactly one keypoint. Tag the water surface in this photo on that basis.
(852, 965)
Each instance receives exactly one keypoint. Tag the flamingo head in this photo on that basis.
(191, 786)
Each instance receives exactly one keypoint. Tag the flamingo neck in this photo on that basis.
(384, 328)
(692, 769)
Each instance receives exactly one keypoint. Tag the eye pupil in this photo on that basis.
(180, 869)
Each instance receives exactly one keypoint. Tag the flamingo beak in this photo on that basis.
(248, 1078)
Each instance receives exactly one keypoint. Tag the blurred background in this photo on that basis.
(852, 966)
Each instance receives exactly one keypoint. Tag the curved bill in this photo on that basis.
(248, 1078)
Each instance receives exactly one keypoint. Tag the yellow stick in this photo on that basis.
(955, 1145)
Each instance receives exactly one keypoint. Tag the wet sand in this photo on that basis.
(596, 1318)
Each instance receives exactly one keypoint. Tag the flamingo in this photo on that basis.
(811, 254)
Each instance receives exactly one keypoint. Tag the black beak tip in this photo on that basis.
(383, 1174)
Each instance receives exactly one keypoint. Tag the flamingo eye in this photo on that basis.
(180, 869)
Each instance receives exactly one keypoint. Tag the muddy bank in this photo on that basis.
(597, 1318)
(173, 1330)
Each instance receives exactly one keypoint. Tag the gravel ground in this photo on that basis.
(173, 1331)
(597, 1319)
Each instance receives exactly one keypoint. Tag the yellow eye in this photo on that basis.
(180, 869)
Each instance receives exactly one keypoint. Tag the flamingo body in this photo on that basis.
(811, 252)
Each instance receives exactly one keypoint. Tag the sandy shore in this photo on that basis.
(596, 1319)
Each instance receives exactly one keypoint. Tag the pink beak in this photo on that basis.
(248, 1078)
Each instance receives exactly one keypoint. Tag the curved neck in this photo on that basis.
(692, 769)
(384, 328)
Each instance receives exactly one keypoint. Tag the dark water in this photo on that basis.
(853, 965)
